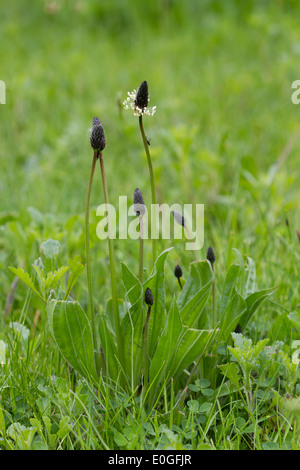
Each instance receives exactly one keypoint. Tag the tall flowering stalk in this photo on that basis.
(138, 101)
(210, 256)
(98, 142)
(149, 300)
(139, 207)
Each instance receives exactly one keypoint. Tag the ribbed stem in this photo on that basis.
(152, 181)
(141, 255)
(88, 258)
(145, 350)
(214, 301)
(112, 266)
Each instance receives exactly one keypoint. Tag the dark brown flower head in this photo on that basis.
(178, 271)
(210, 255)
(97, 137)
(149, 297)
(142, 96)
(179, 218)
(138, 202)
(138, 101)
(96, 121)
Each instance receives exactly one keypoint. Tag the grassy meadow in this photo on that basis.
(225, 134)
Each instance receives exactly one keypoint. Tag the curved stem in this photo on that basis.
(152, 182)
(112, 266)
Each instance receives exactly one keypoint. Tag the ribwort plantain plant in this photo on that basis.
(138, 101)
(158, 339)
(98, 142)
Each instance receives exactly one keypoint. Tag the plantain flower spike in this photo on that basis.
(138, 101)
(97, 136)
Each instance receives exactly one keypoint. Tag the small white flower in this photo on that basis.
(138, 100)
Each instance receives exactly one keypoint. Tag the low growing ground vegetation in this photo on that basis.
(139, 343)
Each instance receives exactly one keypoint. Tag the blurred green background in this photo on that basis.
(225, 133)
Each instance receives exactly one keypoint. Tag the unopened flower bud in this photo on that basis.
(178, 271)
(138, 202)
(210, 255)
(179, 218)
(97, 137)
(149, 297)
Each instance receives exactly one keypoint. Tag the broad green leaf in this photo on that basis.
(191, 312)
(166, 345)
(190, 288)
(228, 287)
(200, 275)
(71, 330)
(191, 345)
(156, 284)
(253, 302)
(192, 301)
(24, 276)
(231, 316)
(132, 330)
(132, 284)
(109, 312)
(112, 367)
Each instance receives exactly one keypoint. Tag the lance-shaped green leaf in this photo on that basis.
(71, 330)
(231, 316)
(200, 275)
(253, 302)
(156, 284)
(165, 347)
(132, 284)
(132, 328)
(112, 364)
(191, 345)
(228, 289)
(193, 308)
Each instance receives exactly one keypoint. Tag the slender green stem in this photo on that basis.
(145, 351)
(214, 301)
(88, 256)
(112, 266)
(152, 182)
(141, 260)
(192, 241)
